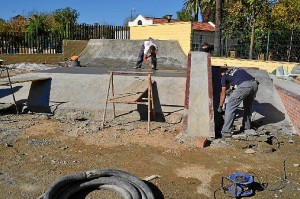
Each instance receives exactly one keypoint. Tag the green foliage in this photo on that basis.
(4, 26)
(242, 15)
(192, 6)
(17, 24)
(184, 15)
(66, 16)
(204, 7)
(286, 15)
(38, 24)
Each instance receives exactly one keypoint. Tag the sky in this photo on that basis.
(106, 12)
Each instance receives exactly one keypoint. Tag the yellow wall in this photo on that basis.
(269, 66)
(180, 31)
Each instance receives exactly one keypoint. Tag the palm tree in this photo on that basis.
(193, 6)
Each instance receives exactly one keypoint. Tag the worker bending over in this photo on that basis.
(244, 88)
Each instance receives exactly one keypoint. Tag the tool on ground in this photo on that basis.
(241, 185)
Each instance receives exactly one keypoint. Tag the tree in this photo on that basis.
(66, 16)
(204, 7)
(184, 15)
(217, 39)
(286, 14)
(38, 24)
(244, 16)
(3, 25)
(17, 24)
(193, 6)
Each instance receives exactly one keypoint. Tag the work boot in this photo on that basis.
(226, 134)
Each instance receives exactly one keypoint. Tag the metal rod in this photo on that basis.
(110, 77)
(12, 91)
(113, 93)
(126, 102)
(130, 72)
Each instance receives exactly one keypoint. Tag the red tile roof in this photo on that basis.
(196, 25)
(203, 26)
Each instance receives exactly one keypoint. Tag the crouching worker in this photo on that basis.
(244, 90)
(74, 61)
(147, 54)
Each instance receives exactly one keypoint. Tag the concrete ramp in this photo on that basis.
(123, 53)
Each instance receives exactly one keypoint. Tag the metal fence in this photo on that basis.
(25, 43)
(275, 45)
(268, 45)
(51, 43)
(86, 32)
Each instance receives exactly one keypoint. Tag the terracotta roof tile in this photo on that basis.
(196, 25)
(161, 20)
(203, 26)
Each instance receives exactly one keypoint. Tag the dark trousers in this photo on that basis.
(245, 93)
(140, 58)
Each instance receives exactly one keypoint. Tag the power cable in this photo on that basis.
(120, 182)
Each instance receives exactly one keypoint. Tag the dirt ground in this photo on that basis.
(38, 149)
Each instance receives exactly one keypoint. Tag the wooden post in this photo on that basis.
(149, 103)
(152, 99)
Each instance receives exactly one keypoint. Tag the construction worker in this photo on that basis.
(147, 54)
(204, 48)
(244, 88)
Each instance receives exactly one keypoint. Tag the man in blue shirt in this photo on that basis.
(244, 88)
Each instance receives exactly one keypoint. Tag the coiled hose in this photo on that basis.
(121, 182)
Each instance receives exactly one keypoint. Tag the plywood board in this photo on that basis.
(132, 93)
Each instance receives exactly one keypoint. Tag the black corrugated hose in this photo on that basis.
(121, 182)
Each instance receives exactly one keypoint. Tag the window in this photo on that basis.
(140, 22)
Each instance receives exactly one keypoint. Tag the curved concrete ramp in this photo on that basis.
(123, 53)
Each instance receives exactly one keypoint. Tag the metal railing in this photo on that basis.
(275, 45)
(51, 43)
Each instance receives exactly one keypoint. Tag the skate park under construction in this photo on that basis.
(186, 86)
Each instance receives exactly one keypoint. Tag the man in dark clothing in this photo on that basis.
(244, 88)
(204, 48)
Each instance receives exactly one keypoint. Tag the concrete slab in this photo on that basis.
(123, 53)
(268, 108)
(76, 89)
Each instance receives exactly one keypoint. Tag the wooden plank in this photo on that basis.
(132, 93)
(5, 82)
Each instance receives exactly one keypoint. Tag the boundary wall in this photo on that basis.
(269, 66)
(289, 93)
(70, 47)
